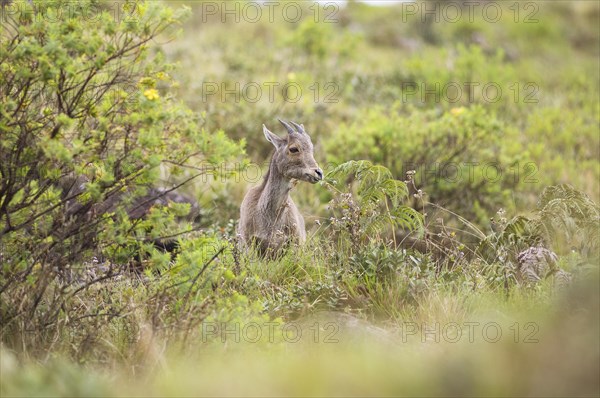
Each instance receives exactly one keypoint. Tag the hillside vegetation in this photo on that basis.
(453, 245)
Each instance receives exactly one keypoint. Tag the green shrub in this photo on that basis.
(88, 124)
(464, 159)
(376, 208)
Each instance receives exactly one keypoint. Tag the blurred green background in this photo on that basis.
(488, 102)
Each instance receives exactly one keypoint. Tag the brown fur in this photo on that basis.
(268, 216)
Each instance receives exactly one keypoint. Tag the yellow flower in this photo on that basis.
(99, 171)
(457, 111)
(291, 76)
(151, 94)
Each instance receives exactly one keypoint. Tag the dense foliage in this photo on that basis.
(87, 128)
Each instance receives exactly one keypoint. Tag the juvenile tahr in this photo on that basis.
(269, 218)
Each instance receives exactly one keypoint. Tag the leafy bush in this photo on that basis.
(564, 223)
(88, 125)
(376, 208)
(463, 158)
(563, 144)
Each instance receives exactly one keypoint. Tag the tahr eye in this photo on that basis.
(294, 150)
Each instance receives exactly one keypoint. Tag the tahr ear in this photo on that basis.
(273, 138)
